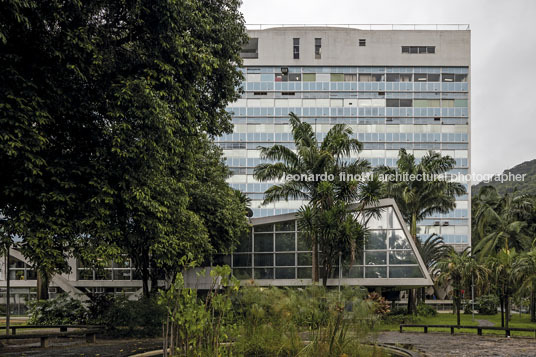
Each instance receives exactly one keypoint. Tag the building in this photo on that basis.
(397, 88)
(275, 253)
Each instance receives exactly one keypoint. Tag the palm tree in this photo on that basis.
(459, 269)
(506, 278)
(525, 266)
(312, 159)
(432, 250)
(500, 221)
(420, 198)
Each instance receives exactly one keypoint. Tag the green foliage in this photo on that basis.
(525, 187)
(324, 218)
(123, 317)
(62, 310)
(418, 199)
(107, 111)
(425, 310)
(192, 323)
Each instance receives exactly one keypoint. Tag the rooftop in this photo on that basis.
(371, 27)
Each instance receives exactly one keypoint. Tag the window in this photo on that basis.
(399, 102)
(393, 77)
(250, 49)
(374, 77)
(318, 48)
(309, 77)
(418, 49)
(337, 77)
(296, 47)
(280, 77)
(294, 77)
(448, 78)
(362, 42)
(350, 77)
(460, 78)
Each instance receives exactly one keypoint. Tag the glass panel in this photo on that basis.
(333, 275)
(241, 260)
(353, 272)
(398, 240)
(376, 240)
(305, 258)
(242, 273)
(304, 273)
(123, 274)
(287, 259)
(303, 243)
(220, 259)
(264, 228)
(375, 258)
(244, 243)
(433, 77)
(375, 272)
(337, 77)
(285, 242)
(263, 260)
(285, 273)
(287, 226)
(405, 272)
(264, 273)
(264, 242)
(402, 257)
(309, 77)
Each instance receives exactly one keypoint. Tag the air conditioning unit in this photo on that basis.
(437, 223)
(446, 223)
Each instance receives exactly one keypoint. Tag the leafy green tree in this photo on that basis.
(459, 269)
(501, 221)
(420, 198)
(432, 251)
(311, 159)
(526, 268)
(102, 105)
(503, 272)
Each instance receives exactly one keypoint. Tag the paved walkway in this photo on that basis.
(460, 345)
(486, 323)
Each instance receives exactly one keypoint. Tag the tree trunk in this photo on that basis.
(412, 310)
(42, 286)
(325, 274)
(458, 306)
(154, 277)
(533, 304)
(8, 293)
(506, 310)
(315, 274)
(502, 310)
(413, 227)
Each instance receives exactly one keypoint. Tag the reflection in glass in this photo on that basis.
(398, 240)
(264, 260)
(405, 272)
(285, 242)
(376, 240)
(287, 259)
(402, 257)
(376, 258)
(264, 242)
(285, 273)
(375, 272)
(264, 273)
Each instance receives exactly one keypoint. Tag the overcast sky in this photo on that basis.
(503, 59)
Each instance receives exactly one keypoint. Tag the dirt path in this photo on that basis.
(485, 323)
(461, 345)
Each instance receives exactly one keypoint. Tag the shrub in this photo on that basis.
(62, 310)
(125, 317)
(487, 304)
(381, 306)
(425, 310)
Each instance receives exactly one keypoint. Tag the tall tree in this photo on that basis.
(526, 269)
(300, 174)
(432, 251)
(101, 105)
(460, 270)
(506, 277)
(501, 221)
(419, 197)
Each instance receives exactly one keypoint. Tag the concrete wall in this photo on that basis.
(340, 47)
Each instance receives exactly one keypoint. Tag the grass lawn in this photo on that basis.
(450, 319)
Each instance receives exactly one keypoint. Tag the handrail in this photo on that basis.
(372, 27)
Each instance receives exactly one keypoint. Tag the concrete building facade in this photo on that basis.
(395, 88)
